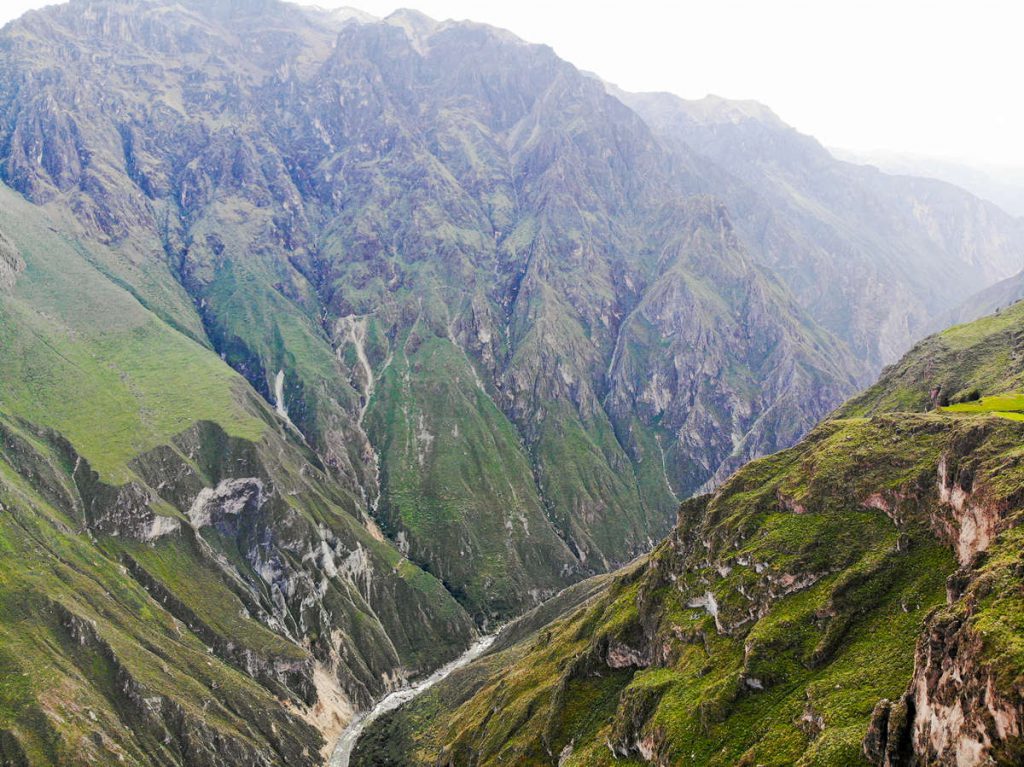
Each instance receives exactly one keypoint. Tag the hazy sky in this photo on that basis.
(935, 77)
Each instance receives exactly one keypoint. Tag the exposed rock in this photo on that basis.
(231, 497)
(976, 521)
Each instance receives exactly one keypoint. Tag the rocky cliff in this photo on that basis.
(878, 259)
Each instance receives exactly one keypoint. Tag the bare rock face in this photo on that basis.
(219, 505)
(125, 510)
(177, 726)
(961, 716)
(973, 522)
(888, 741)
(511, 317)
(965, 703)
(878, 303)
(956, 712)
(308, 579)
(270, 614)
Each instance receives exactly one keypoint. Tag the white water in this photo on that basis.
(350, 736)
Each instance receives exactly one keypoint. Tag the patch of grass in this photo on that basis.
(1006, 405)
(83, 357)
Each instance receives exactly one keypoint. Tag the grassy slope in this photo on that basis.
(81, 356)
(875, 583)
(1004, 405)
(985, 357)
(63, 698)
(459, 486)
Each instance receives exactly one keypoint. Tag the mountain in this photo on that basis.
(182, 579)
(991, 299)
(855, 599)
(329, 342)
(325, 342)
(485, 294)
(1002, 185)
(876, 259)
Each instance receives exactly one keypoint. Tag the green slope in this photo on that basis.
(81, 356)
(828, 605)
(135, 627)
(95, 669)
(965, 362)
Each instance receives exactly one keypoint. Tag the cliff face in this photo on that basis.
(964, 704)
(512, 315)
(855, 599)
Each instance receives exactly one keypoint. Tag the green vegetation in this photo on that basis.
(744, 638)
(106, 634)
(504, 330)
(458, 485)
(954, 368)
(83, 357)
(84, 648)
(1005, 405)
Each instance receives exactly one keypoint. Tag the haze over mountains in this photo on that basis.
(1002, 185)
(332, 341)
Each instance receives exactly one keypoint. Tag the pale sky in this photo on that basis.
(932, 77)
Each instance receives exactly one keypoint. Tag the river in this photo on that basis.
(350, 736)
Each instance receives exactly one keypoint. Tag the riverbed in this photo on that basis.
(350, 736)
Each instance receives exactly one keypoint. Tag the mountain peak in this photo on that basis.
(235, 7)
(714, 108)
(417, 25)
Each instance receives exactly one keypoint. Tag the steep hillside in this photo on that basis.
(183, 580)
(479, 287)
(959, 365)
(1003, 185)
(852, 600)
(875, 258)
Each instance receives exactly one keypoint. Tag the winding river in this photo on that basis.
(350, 736)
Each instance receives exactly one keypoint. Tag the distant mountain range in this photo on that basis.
(1002, 185)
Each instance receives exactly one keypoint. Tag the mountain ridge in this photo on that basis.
(280, 294)
(808, 214)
